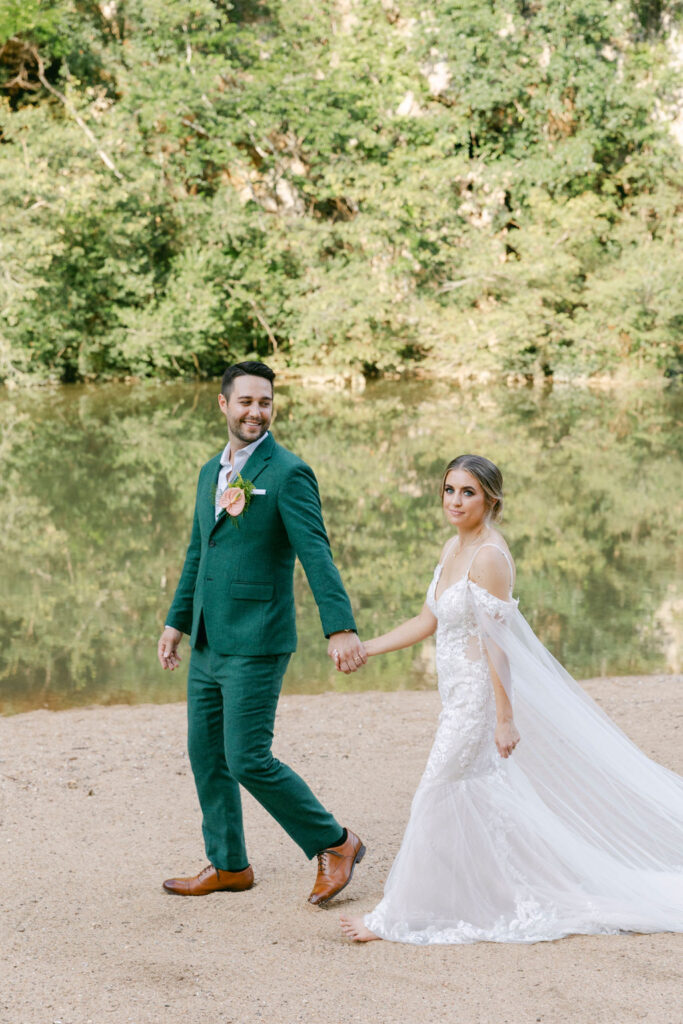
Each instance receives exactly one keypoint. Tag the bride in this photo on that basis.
(570, 829)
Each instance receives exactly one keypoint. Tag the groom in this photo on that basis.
(235, 598)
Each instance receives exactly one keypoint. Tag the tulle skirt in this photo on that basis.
(484, 859)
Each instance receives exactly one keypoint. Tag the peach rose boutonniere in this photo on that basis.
(236, 497)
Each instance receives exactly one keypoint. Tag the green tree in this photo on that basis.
(473, 188)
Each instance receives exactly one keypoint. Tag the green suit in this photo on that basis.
(235, 598)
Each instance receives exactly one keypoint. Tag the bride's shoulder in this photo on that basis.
(492, 567)
(498, 540)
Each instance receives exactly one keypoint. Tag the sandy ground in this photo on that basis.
(97, 806)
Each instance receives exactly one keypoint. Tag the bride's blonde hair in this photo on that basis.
(488, 475)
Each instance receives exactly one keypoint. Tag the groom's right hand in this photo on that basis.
(167, 648)
(346, 651)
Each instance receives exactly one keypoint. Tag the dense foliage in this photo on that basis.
(466, 186)
(98, 486)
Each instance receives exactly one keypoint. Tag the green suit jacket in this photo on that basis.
(239, 573)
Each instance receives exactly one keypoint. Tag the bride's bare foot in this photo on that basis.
(354, 929)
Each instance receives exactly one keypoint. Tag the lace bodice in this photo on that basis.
(459, 645)
(463, 745)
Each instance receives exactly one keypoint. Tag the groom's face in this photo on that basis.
(248, 409)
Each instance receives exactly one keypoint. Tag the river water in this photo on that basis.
(98, 487)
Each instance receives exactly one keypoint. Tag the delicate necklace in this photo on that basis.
(464, 547)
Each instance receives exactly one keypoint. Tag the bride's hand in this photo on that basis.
(506, 737)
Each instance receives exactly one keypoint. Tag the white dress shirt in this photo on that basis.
(232, 466)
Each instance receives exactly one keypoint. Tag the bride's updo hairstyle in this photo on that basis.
(488, 475)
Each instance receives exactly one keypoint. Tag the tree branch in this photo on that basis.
(195, 127)
(450, 286)
(262, 321)
(258, 314)
(106, 160)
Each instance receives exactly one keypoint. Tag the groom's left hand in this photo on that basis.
(346, 651)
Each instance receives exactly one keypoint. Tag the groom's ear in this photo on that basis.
(222, 402)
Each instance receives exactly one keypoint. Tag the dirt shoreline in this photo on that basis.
(97, 806)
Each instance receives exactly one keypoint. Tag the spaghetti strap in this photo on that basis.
(490, 544)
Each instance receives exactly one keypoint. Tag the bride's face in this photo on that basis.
(464, 501)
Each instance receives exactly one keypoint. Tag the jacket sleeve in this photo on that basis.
(301, 512)
(180, 613)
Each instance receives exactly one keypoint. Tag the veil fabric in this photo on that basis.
(618, 815)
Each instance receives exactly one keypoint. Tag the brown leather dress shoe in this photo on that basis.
(335, 868)
(211, 879)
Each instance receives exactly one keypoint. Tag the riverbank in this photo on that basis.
(346, 378)
(98, 806)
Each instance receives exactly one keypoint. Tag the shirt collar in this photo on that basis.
(243, 453)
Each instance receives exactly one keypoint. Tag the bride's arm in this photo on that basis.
(491, 571)
(506, 734)
(408, 633)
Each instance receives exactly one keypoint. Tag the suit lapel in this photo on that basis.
(254, 465)
(209, 497)
(259, 459)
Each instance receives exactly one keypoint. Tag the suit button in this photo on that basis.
(212, 543)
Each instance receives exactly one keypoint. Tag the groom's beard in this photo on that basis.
(247, 436)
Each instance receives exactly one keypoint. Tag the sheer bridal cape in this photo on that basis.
(577, 831)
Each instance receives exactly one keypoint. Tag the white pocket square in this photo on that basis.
(258, 491)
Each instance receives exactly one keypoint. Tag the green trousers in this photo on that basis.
(231, 704)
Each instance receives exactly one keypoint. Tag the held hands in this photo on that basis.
(167, 648)
(347, 652)
(506, 737)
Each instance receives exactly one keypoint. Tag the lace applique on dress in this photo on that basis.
(463, 745)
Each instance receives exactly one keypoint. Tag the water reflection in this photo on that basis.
(97, 492)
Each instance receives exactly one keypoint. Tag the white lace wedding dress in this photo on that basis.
(578, 831)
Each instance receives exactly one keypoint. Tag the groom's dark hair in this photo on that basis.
(248, 368)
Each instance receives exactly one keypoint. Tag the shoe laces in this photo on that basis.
(205, 872)
(324, 859)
